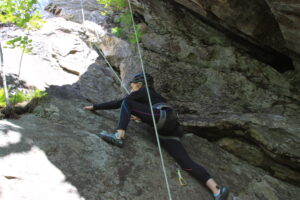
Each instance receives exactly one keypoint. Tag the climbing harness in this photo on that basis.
(150, 103)
(163, 113)
(148, 94)
(163, 137)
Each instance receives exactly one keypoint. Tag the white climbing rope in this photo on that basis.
(111, 68)
(100, 52)
(82, 12)
(150, 103)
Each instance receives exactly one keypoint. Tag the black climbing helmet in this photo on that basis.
(140, 78)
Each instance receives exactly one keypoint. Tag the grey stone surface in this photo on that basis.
(71, 10)
(287, 16)
(61, 159)
(225, 96)
(270, 22)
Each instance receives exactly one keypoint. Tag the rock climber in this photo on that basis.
(135, 106)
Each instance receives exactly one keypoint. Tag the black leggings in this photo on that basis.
(173, 147)
(178, 152)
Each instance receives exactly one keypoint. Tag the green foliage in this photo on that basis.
(20, 96)
(2, 98)
(119, 32)
(123, 19)
(38, 94)
(116, 5)
(24, 14)
(22, 42)
(139, 33)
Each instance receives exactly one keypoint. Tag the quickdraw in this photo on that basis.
(181, 180)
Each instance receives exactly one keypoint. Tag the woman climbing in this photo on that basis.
(135, 106)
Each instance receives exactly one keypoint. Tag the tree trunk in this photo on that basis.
(4, 79)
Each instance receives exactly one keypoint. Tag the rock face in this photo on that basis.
(245, 112)
(71, 10)
(271, 23)
(252, 18)
(287, 16)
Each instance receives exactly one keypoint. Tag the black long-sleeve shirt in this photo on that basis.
(139, 96)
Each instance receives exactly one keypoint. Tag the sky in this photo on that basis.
(43, 4)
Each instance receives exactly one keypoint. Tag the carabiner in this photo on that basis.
(180, 178)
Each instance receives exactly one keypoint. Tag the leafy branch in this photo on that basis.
(23, 14)
(20, 96)
(123, 19)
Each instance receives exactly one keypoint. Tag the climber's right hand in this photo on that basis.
(88, 107)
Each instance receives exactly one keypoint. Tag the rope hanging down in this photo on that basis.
(148, 93)
(111, 68)
(99, 52)
(150, 103)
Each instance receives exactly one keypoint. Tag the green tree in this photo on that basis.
(4, 92)
(23, 14)
(20, 96)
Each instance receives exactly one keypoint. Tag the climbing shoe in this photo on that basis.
(111, 138)
(222, 195)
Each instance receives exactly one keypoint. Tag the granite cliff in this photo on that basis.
(230, 68)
